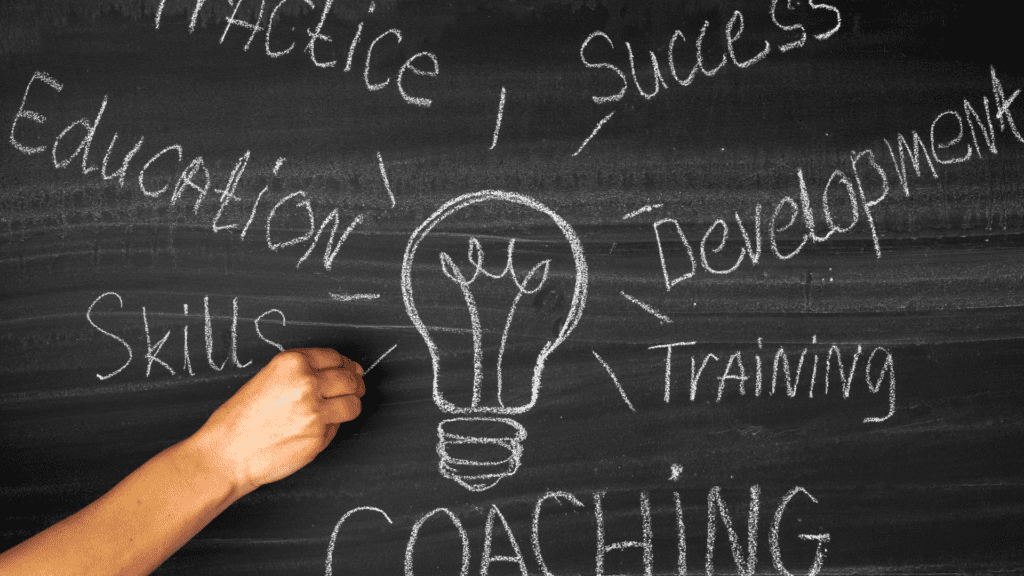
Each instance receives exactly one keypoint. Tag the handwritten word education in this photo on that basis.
(194, 179)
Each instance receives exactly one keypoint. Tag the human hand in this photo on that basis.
(281, 419)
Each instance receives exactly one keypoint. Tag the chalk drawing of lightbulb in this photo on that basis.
(478, 426)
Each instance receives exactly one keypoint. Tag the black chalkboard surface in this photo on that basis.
(711, 286)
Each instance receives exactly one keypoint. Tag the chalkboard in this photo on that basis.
(709, 286)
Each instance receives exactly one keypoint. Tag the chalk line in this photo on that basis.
(497, 124)
(594, 133)
(384, 177)
(377, 361)
(648, 308)
(351, 297)
(643, 210)
(614, 380)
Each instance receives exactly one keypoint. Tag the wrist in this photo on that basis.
(198, 459)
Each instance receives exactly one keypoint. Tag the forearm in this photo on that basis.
(136, 525)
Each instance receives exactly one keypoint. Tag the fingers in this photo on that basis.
(320, 358)
(323, 358)
(339, 382)
(329, 434)
(340, 409)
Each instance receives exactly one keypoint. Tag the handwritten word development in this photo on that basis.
(954, 137)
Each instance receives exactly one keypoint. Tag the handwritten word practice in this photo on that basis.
(860, 189)
(153, 345)
(733, 31)
(316, 38)
(194, 178)
(719, 519)
(823, 368)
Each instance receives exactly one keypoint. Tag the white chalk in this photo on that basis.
(379, 358)
(410, 66)
(680, 531)
(572, 318)
(646, 545)
(719, 248)
(773, 537)
(333, 247)
(184, 339)
(351, 297)
(153, 352)
(159, 13)
(334, 533)
(497, 123)
(315, 35)
(672, 60)
(208, 325)
(154, 158)
(818, 5)
(700, 53)
(84, 145)
(252, 213)
(788, 28)
(731, 38)
(936, 146)
(658, 80)
(253, 26)
(416, 531)
(670, 282)
(88, 317)
(486, 559)
(676, 471)
(606, 66)
(479, 475)
(369, 55)
(270, 30)
(304, 203)
(121, 172)
(648, 308)
(535, 536)
(668, 365)
(384, 178)
(642, 210)
(256, 322)
(914, 152)
(717, 508)
(695, 373)
(614, 381)
(593, 133)
(888, 368)
(187, 179)
(753, 250)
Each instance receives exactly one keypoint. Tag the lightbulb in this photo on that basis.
(485, 430)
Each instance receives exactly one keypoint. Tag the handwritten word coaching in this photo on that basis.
(718, 517)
